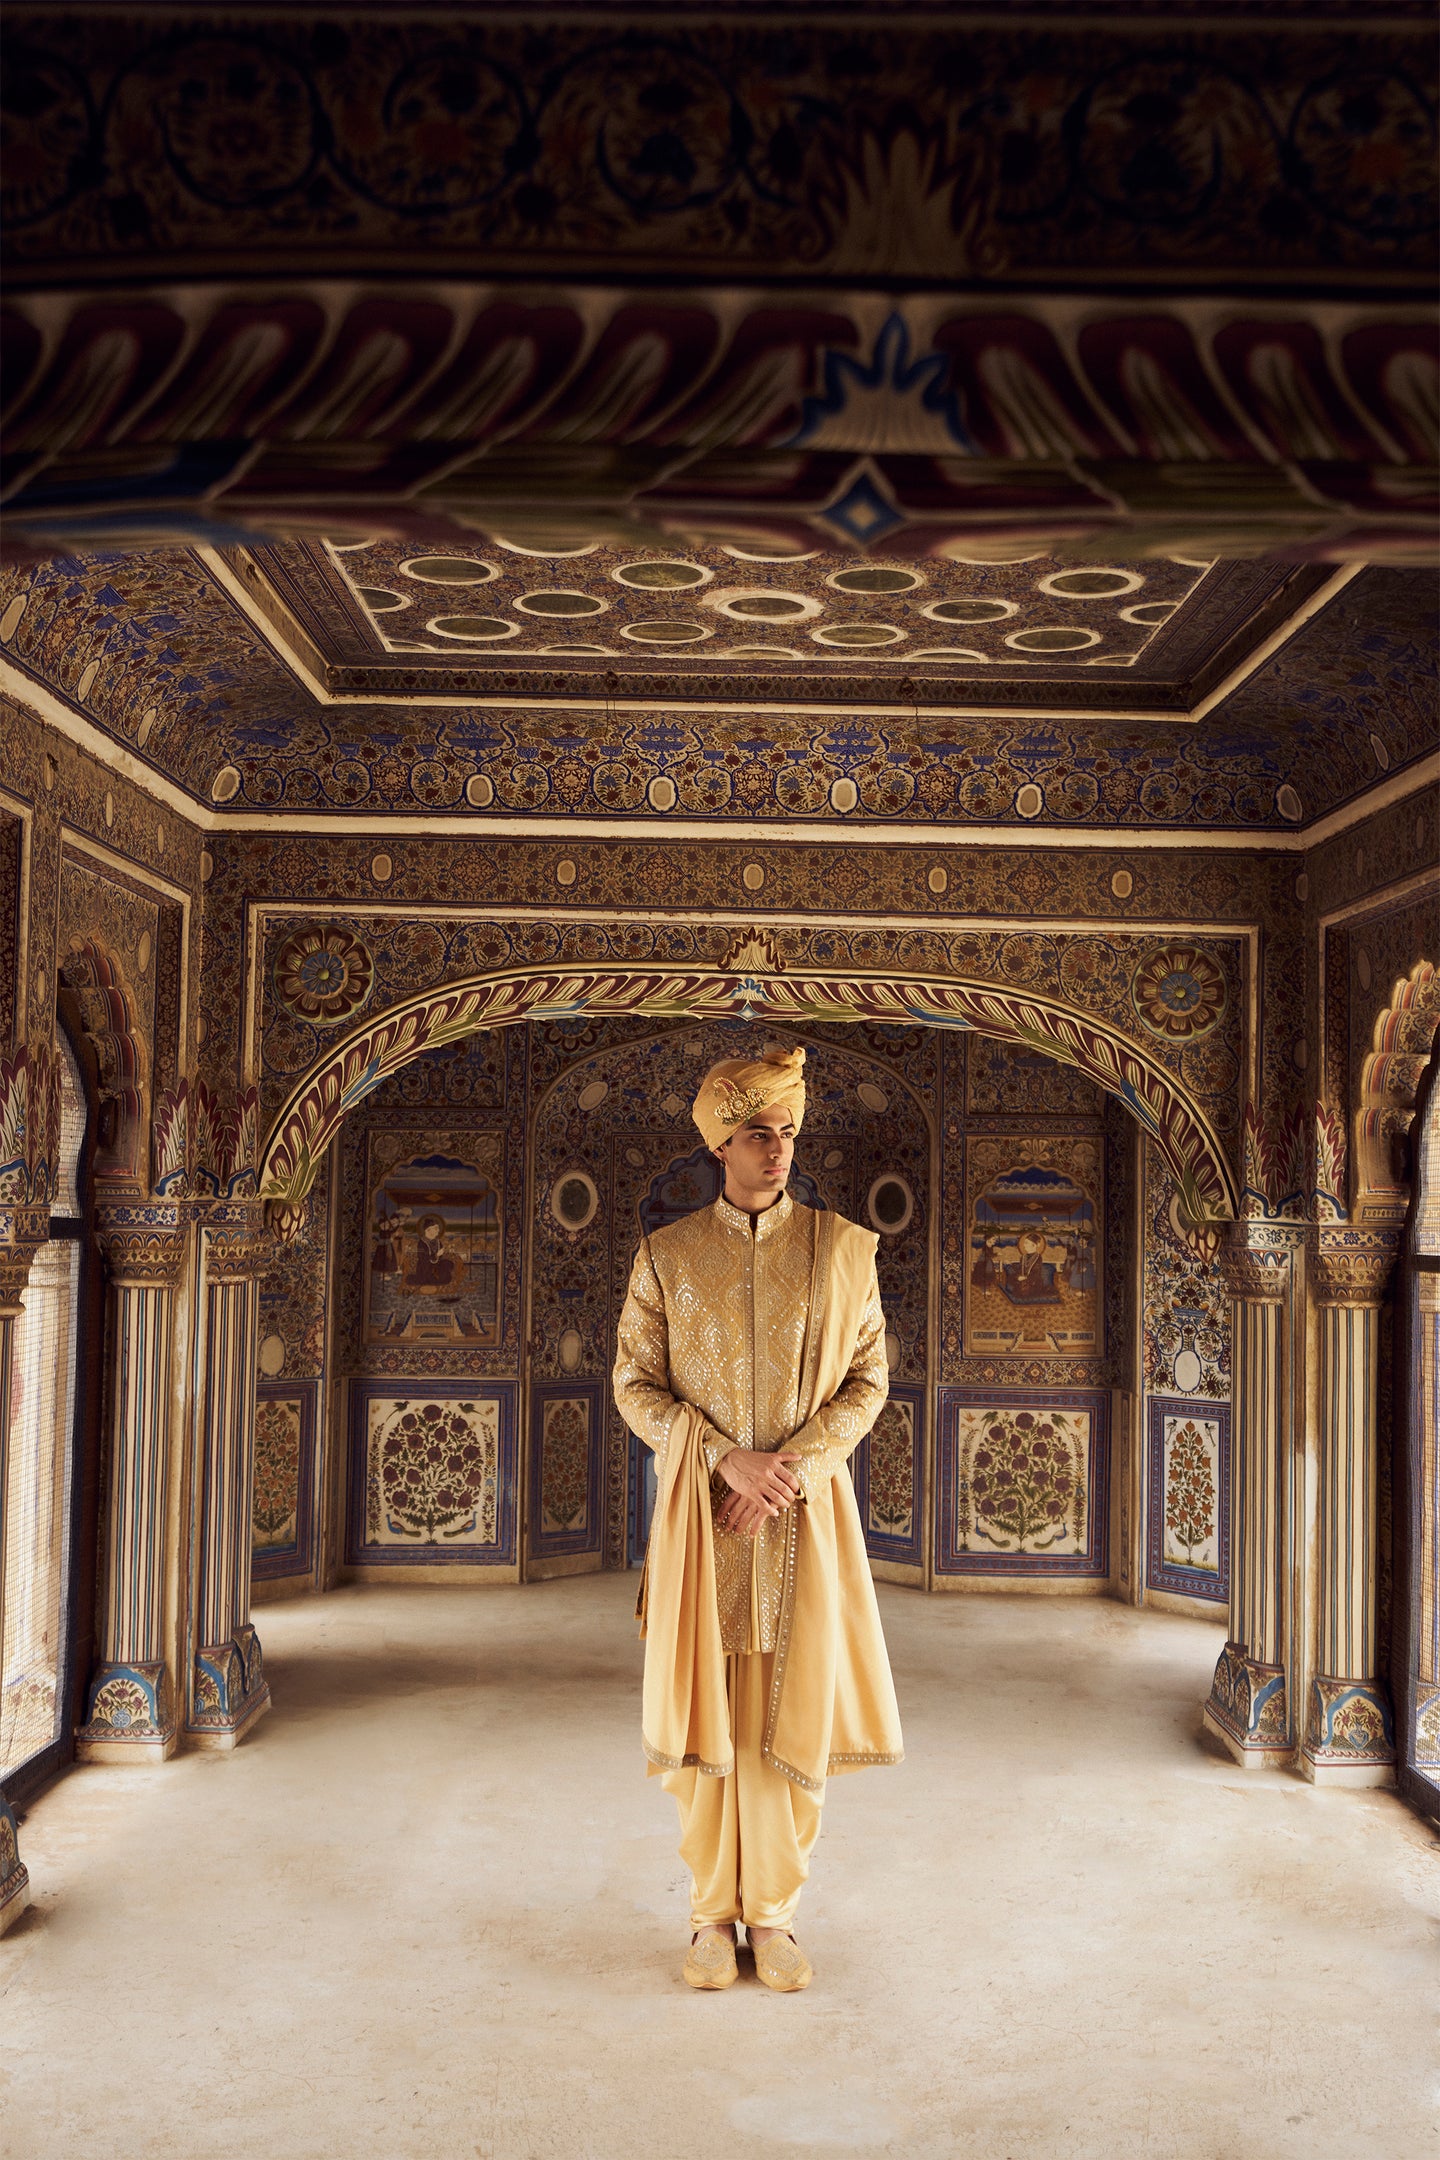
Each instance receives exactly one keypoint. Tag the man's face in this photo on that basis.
(758, 1154)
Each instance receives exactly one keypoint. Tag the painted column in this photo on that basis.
(15, 1259)
(1349, 1733)
(1248, 1708)
(130, 1714)
(227, 1691)
(1425, 1702)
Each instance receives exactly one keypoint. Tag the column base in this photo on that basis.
(1349, 1736)
(1427, 1725)
(128, 1719)
(14, 1875)
(1247, 1711)
(230, 1694)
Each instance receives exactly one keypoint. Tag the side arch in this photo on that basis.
(316, 1105)
(1389, 1079)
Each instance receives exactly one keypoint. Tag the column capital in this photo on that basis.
(143, 1247)
(1255, 1260)
(23, 1230)
(1352, 1263)
(237, 1246)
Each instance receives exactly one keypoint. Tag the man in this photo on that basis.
(752, 1361)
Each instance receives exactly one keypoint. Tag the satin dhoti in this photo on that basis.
(746, 1838)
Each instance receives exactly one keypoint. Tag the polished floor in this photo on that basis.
(433, 1908)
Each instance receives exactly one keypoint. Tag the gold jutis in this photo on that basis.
(717, 1315)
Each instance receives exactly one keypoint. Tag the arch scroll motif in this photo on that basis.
(317, 1104)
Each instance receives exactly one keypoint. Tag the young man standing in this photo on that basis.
(752, 1361)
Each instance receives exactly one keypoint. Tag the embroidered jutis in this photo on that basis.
(764, 1332)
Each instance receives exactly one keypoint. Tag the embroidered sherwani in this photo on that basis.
(718, 1318)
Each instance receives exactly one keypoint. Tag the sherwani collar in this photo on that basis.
(766, 1223)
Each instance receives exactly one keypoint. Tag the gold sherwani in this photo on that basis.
(759, 1331)
(717, 1316)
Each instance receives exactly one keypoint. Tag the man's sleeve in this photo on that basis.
(642, 1366)
(837, 1428)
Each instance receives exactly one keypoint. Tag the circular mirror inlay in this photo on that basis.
(479, 791)
(771, 553)
(767, 607)
(950, 652)
(447, 570)
(574, 1199)
(665, 633)
(660, 576)
(481, 628)
(272, 1356)
(559, 603)
(1052, 640)
(1147, 613)
(593, 1094)
(970, 611)
(546, 554)
(572, 1350)
(872, 1097)
(858, 636)
(1090, 584)
(380, 600)
(873, 579)
(890, 1204)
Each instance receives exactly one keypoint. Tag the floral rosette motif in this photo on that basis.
(1024, 1483)
(323, 974)
(1179, 992)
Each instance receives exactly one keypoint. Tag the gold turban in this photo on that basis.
(736, 1088)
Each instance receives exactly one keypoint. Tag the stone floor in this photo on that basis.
(433, 1908)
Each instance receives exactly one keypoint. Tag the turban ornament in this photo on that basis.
(736, 1088)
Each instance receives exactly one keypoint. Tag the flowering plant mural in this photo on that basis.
(432, 1471)
(1023, 1485)
(1191, 1492)
(564, 1466)
(277, 1473)
(891, 1472)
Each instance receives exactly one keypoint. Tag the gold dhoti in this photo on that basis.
(746, 1838)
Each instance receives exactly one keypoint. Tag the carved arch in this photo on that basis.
(318, 1103)
(1389, 1078)
(100, 1014)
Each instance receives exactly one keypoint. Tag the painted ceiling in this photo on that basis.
(160, 653)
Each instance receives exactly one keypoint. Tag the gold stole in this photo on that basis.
(832, 1700)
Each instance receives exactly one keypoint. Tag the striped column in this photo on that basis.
(15, 1262)
(227, 1691)
(129, 1707)
(1349, 1734)
(1248, 1707)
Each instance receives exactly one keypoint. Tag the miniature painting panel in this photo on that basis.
(1034, 1248)
(432, 1250)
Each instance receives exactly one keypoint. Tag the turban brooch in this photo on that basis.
(736, 1088)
